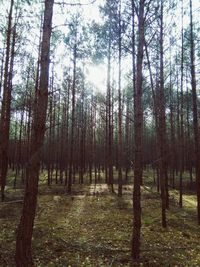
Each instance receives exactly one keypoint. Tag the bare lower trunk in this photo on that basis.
(6, 102)
(119, 112)
(138, 118)
(25, 230)
(195, 113)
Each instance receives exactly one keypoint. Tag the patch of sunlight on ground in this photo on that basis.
(190, 201)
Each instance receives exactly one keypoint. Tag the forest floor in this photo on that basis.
(93, 227)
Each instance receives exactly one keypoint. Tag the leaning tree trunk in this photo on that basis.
(25, 229)
(138, 118)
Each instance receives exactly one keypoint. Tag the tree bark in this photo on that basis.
(71, 160)
(23, 255)
(181, 122)
(195, 112)
(119, 108)
(162, 126)
(6, 102)
(109, 103)
(138, 118)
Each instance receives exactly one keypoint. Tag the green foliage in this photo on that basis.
(78, 35)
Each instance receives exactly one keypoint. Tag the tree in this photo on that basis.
(181, 120)
(71, 161)
(25, 230)
(6, 102)
(162, 124)
(138, 118)
(120, 151)
(195, 112)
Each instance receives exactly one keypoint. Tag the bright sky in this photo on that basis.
(91, 12)
(96, 74)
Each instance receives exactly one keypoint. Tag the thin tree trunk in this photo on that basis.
(6, 102)
(138, 118)
(119, 109)
(110, 135)
(127, 139)
(67, 132)
(71, 161)
(195, 113)
(181, 123)
(162, 127)
(2, 68)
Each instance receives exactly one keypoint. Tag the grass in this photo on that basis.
(93, 228)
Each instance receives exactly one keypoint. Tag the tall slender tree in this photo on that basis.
(138, 118)
(6, 101)
(181, 119)
(71, 159)
(120, 104)
(162, 122)
(195, 110)
(25, 230)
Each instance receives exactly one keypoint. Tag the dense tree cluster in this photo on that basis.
(54, 120)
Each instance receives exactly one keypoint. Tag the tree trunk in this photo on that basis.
(71, 160)
(195, 112)
(119, 109)
(6, 102)
(23, 255)
(2, 68)
(162, 127)
(181, 123)
(109, 103)
(138, 118)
